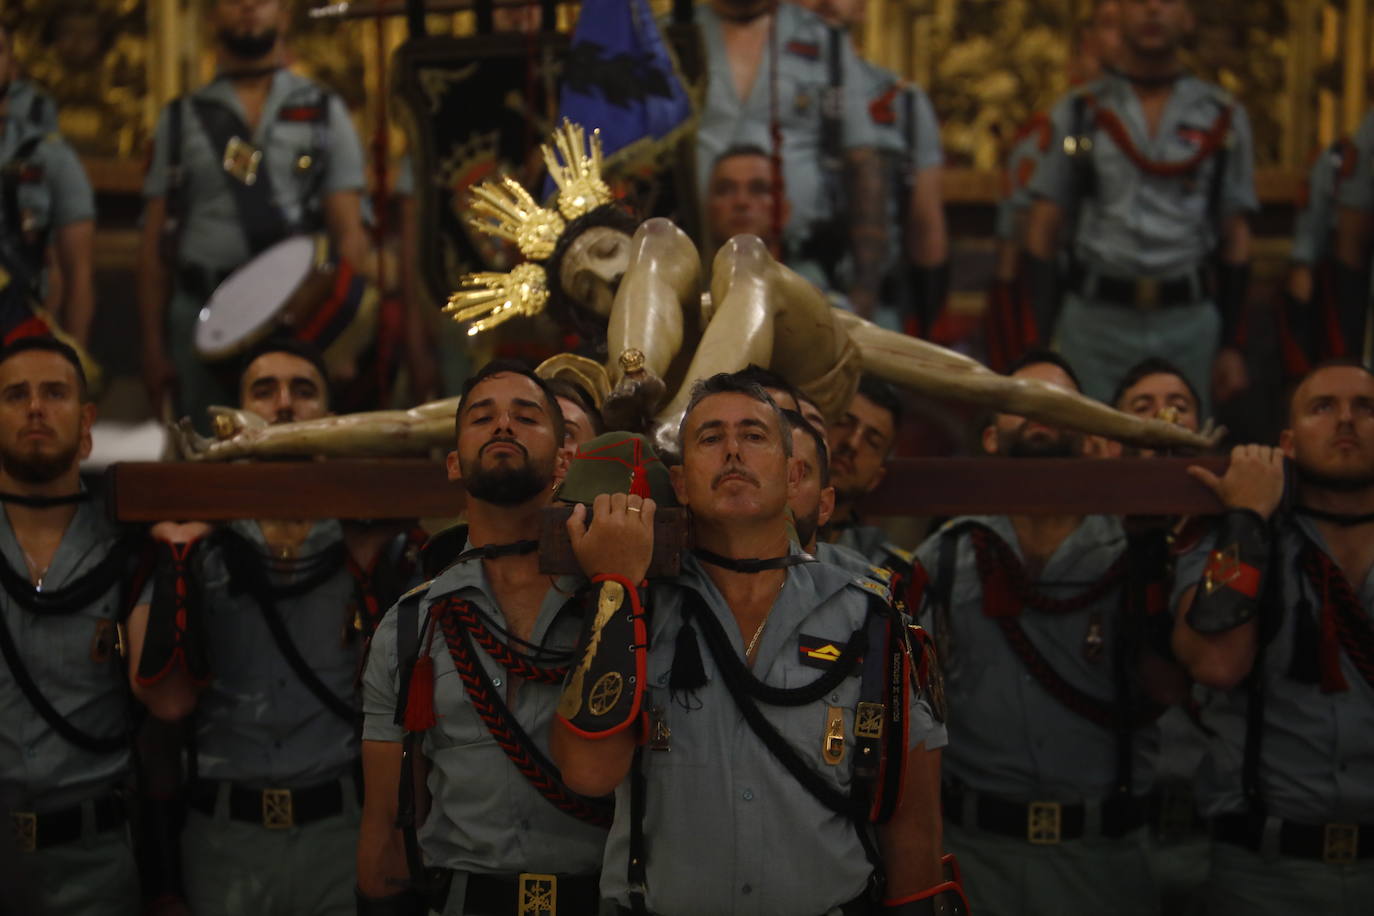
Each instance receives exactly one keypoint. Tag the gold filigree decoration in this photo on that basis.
(578, 174)
(489, 299)
(505, 209)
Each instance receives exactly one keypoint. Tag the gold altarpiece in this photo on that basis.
(1301, 66)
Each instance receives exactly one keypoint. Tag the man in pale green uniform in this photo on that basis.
(1052, 747)
(64, 702)
(1152, 171)
(256, 155)
(1276, 607)
(486, 644)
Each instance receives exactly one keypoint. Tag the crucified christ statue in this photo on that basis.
(643, 286)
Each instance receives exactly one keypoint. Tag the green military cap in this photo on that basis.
(617, 462)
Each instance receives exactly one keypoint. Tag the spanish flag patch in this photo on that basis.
(817, 652)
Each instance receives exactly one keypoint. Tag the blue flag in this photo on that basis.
(620, 78)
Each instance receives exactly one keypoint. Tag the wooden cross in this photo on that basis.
(406, 488)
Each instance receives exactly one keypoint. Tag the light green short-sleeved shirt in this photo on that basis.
(719, 806)
(72, 660)
(485, 818)
(1139, 224)
(211, 235)
(257, 722)
(726, 120)
(1008, 735)
(1317, 751)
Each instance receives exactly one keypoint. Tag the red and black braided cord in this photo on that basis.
(998, 563)
(1344, 620)
(1001, 572)
(514, 662)
(538, 770)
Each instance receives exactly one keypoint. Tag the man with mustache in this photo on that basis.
(264, 647)
(463, 675)
(254, 156)
(1276, 608)
(1049, 759)
(705, 803)
(64, 740)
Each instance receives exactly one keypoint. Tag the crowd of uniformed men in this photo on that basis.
(1095, 714)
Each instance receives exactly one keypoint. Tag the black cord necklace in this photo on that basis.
(492, 551)
(45, 502)
(753, 565)
(1343, 519)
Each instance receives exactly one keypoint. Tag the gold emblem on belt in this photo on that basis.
(538, 894)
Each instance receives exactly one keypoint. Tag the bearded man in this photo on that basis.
(501, 825)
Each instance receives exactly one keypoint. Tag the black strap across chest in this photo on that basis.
(111, 569)
(262, 220)
(245, 565)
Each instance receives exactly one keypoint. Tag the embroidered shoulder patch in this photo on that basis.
(301, 113)
(807, 49)
(878, 588)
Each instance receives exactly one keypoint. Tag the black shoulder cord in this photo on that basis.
(70, 598)
(245, 565)
(743, 686)
(72, 734)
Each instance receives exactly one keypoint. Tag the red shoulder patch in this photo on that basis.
(881, 109)
(301, 113)
(809, 50)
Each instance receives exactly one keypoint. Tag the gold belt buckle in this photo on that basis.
(538, 894)
(1044, 822)
(277, 813)
(241, 160)
(1340, 844)
(1147, 293)
(25, 830)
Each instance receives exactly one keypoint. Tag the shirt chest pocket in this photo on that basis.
(87, 642)
(820, 731)
(291, 152)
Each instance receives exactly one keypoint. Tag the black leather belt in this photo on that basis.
(861, 905)
(275, 809)
(523, 894)
(1337, 844)
(1042, 822)
(53, 828)
(1143, 292)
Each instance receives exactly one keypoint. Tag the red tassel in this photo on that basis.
(639, 482)
(419, 715)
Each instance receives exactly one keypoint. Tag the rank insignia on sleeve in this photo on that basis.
(816, 652)
(878, 588)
